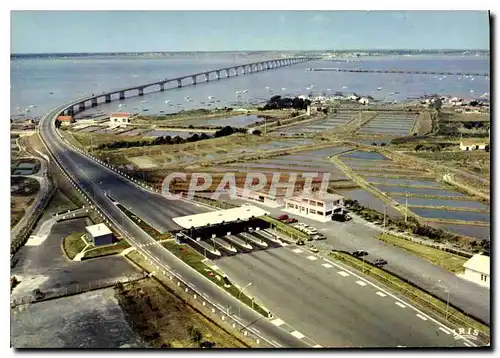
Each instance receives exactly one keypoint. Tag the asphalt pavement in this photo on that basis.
(357, 235)
(330, 304)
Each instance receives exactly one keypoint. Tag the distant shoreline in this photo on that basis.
(359, 53)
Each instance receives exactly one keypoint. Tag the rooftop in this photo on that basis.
(242, 213)
(120, 115)
(65, 118)
(479, 263)
(98, 230)
(320, 196)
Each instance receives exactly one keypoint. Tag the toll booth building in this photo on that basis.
(315, 206)
(99, 234)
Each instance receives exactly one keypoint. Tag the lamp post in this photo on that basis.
(239, 298)
(447, 288)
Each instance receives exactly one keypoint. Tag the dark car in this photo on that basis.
(380, 262)
(38, 294)
(282, 217)
(359, 253)
(291, 221)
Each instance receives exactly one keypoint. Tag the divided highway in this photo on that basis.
(340, 312)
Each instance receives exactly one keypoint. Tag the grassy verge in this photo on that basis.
(151, 231)
(164, 320)
(285, 228)
(193, 259)
(421, 298)
(73, 244)
(448, 261)
(107, 250)
(136, 258)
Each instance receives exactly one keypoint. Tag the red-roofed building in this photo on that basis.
(65, 120)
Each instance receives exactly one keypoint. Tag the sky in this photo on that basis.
(137, 31)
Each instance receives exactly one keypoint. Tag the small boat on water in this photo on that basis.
(144, 101)
(379, 88)
(168, 101)
(211, 97)
(283, 88)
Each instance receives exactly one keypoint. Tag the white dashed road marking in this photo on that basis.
(327, 265)
(361, 283)
(444, 330)
(297, 251)
(297, 334)
(318, 346)
(277, 322)
(342, 273)
(400, 304)
(312, 258)
(467, 344)
(421, 317)
(381, 294)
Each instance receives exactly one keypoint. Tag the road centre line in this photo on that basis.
(421, 317)
(342, 267)
(297, 334)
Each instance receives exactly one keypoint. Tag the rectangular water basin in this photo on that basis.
(413, 190)
(443, 202)
(452, 215)
(364, 155)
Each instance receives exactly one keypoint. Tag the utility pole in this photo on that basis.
(406, 207)
(385, 211)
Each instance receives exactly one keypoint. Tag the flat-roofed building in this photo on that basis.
(473, 145)
(317, 206)
(99, 234)
(477, 269)
(264, 197)
(119, 119)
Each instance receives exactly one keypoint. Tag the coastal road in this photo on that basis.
(156, 210)
(280, 276)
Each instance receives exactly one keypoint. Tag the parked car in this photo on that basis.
(359, 253)
(319, 237)
(282, 217)
(38, 294)
(380, 262)
(291, 221)
(300, 242)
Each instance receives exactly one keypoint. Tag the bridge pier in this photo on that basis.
(122, 95)
(193, 78)
(179, 83)
(243, 70)
(81, 106)
(235, 71)
(162, 87)
(207, 77)
(140, 91)
(70, 111)
(217, 75)
(94, 102)
(107, 98)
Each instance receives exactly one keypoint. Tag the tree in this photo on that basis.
(58, 123)
(195, 334)
(437, 104)
(418, 147)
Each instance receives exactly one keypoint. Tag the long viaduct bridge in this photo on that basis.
(178, 82)
(364, 70)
